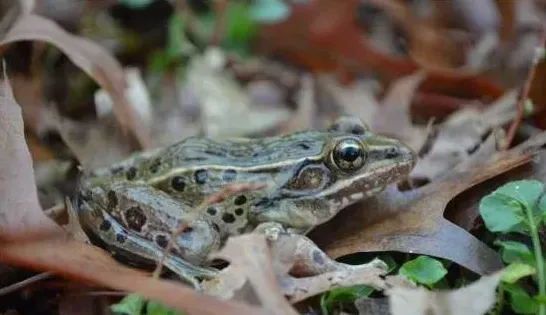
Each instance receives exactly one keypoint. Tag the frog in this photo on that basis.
(304, 179)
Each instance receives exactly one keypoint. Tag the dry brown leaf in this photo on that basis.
(249, 255)
(226, 110)
(95, 143)
(357, 99)
(20, 211)
(414, 222)
(462, 139)
(474, 299)
(90, 57)
(90, 264)
(463, 210)
(393, 118)
(304, 118)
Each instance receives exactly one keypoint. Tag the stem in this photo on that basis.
(539, 259)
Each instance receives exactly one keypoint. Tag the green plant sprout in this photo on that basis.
(519, 207)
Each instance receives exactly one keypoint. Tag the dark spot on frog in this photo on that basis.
(161, 241)
(317, 257)
(200, 176)
(211, 211)
(178, 183)
(116, 170)
(135, 218)
(228, 218)
(112, 200)
(154, 167)
(105, 225)
(229, 175)
(121, 238)
(304, 146)
(131, 173)
(239, 211)
(240, 200)
(189, 229)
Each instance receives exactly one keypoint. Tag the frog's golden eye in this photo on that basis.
(349, 155)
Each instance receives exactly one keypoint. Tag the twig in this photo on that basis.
(539, 51)
(212, 199)
(21, 284)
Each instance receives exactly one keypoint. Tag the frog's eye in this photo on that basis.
(349, 155)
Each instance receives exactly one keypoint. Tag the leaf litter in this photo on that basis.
(265, 275)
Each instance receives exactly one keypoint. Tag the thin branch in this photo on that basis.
(524, 95)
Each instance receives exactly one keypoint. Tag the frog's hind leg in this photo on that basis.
(113, 233)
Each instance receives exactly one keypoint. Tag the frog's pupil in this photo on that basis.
(178, 183)
(349, 152)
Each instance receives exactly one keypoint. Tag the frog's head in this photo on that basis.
(354, 164)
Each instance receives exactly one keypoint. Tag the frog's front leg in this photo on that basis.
(307, 258)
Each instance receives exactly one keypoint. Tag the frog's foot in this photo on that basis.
(310, 260)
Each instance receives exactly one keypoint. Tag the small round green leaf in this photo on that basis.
(516, 271)
(269, 11)
(424, 270)
(501, 213)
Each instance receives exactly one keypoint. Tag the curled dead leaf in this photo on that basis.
(90, 57)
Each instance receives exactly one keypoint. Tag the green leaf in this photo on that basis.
(343, 295)
(130, 305)
(516, 271)
(516, 252)
(502, 213)
(269, 11)
(136, 4)
(155, 308)
(504, 209)
(525, 191)
(423, 269)
(520, 301)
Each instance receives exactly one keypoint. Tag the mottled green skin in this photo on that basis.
(304, 188)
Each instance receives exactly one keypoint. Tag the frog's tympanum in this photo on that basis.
(133, 207)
